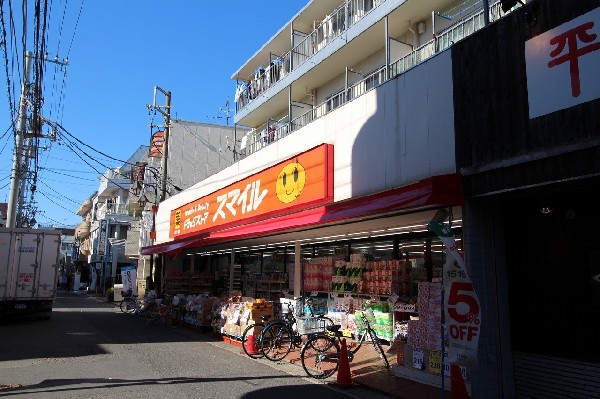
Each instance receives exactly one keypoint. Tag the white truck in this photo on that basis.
(29, 261)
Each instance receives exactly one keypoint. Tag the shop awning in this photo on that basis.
(445, 190)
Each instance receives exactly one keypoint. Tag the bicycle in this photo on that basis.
(278, 337)
(171, 315)
(130, 303)
(320, 355)
(250, 344)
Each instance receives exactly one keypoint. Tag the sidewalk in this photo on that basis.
(366, 369)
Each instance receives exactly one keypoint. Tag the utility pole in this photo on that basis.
(17, 172)
(166, 112)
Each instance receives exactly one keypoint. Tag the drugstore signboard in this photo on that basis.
(463, 310)
(294, 184)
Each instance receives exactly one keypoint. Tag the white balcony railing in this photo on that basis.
(278, 67)
(107, 209)
(260, 138)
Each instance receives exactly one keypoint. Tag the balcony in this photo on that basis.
(107, 209)
(332, 26)
(111, 182)
(82, 231)
(272, 130)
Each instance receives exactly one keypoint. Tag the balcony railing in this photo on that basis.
(260, 138)
(107, 209)
(278, 67)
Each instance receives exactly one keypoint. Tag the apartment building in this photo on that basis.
(117, 220)
(369, 120)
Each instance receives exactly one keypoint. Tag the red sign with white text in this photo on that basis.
(294, 184)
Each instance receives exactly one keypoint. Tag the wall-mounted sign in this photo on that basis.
(562, 65)
(306, 179)
(156, 145)
(102, 237)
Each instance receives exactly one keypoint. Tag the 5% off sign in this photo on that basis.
(463, 317)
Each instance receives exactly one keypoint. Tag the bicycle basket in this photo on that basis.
(310, 325)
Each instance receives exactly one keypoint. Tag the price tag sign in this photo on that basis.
(374, 298)
(393, 299)
(314, 293)
(435, 362)
(347, 295)
(334, 294)
(405, 307)
(463, 370)
(418, 359)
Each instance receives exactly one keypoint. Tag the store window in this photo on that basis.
(273, 261)
(338, 252)
(375, 250)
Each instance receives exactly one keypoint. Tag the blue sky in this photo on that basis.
(118, 50)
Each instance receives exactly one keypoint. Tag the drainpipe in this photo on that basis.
(290, 108)
(387, 48)
(486, 12)
(346, 94)
(433, 31)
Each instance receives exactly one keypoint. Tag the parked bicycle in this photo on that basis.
(250, 338)
(278, 337)
(172, 315)
(320, 355)
(129, 303)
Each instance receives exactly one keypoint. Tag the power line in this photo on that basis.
(64, 174)
(59, 205)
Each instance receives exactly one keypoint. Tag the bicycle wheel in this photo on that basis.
(378, 348)
(170, 317)
(276, 341)
(320, 356)
(128, 305)
(150, 311)
(250, 340)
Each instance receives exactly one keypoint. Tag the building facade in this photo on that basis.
(367, 119)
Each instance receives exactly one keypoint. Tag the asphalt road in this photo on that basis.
(89, 349)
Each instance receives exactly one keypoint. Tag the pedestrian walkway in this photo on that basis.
(366, 369)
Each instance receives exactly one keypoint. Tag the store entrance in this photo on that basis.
(553, 263)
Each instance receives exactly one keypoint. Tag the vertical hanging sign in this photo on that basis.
(463, 311)
(102, 237)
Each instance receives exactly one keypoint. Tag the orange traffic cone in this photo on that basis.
(458, 390)
(250, 344)
(344, 379)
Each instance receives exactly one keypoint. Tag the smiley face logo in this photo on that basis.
(290, 182)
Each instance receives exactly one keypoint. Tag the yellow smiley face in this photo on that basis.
(290, 182)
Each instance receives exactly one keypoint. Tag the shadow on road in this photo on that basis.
(84, 384)
(84, 326)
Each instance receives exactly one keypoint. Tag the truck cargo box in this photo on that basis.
(29, 260)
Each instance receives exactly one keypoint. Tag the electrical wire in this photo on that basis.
(64, 174)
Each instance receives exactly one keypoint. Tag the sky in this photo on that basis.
(117, 51)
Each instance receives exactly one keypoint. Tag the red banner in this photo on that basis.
(156, 145)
